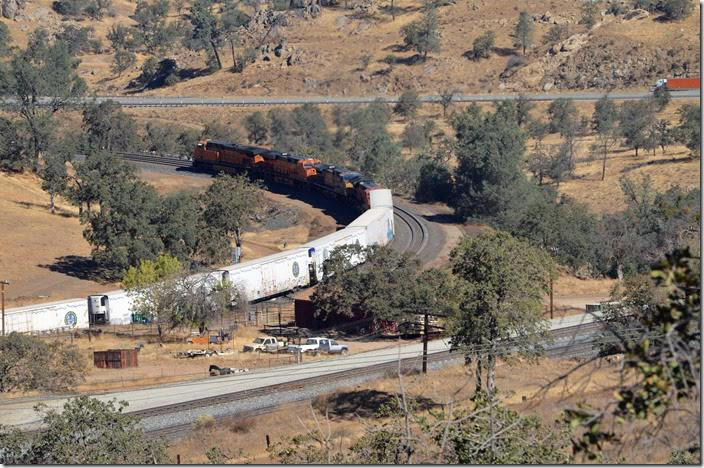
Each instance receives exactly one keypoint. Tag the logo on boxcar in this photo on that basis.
(70, 318)
(295, 269)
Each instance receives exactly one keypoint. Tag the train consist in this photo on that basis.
(260, 278)
(287, 168)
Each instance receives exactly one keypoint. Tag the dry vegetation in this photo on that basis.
(332, 47)
(351, 409)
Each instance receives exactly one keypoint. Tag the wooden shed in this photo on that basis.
(115, 358)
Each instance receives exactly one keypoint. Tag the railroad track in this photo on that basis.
(156, 159)
(413, 236)
(573, 348)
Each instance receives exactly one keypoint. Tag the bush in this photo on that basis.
(483, 45)
(29, 363)
(205, 421)
(557, 33)
(434, 183)
(242, 426)
(408, 104)
(677, 9)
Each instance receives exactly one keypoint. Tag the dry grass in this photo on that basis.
(351, 409)
(334, 44)
(158, 364)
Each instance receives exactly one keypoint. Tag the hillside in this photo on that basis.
(324, 56)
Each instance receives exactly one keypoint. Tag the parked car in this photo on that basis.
(267, 344)
(332, 347)
(312, 346)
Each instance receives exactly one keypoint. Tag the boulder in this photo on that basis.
(12, 8)
(637, 14)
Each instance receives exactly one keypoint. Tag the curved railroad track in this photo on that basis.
(411, 236)
(573, 347)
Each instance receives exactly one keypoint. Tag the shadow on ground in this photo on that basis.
(79, 267)
(365, 403)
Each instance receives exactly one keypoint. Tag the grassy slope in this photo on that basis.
(334, 44)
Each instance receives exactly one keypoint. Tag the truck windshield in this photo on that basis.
(259, 341)
(311, 341)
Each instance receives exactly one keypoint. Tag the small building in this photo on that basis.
(115, 358)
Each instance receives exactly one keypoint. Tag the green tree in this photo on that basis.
(54, 177)
(311, 129)
(665, 134)
(41, 71)
(151, 28)
(408, 104)
(206, 33)
(505, 281)
(524, 31)
(88, 185)
(122, 59)
(12, 157)
(523, 108)
(87, 431)
(28, 363)
(124, 230)
(151, 271)
(178, 225)
(689, 130)
(227, 206)
(604, 122)
(256, 125)
(483, 45)
(636, 118)
(662, 97)
(108, 128)
(232, 20)
(424, 35)
(446, 97)
(489, 148)
(417, 135)
(563, 115)
(377, 289)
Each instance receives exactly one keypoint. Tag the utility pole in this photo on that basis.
(425, 343)
(2, 294)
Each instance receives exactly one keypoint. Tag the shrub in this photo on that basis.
(204, 421)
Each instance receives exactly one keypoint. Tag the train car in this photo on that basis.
(378, 224)
(361, 192)
(204, 156)
(319, 249)
(270, 275)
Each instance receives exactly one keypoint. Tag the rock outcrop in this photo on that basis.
(12, 8)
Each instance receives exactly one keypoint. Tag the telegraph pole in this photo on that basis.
(2, 294)
(425, 343)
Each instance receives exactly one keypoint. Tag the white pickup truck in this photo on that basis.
(266, 344)
(318, 345)
(312, 346)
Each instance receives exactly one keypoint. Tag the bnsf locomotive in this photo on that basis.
(287, 168)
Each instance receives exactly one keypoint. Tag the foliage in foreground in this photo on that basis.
(29, 363)
(86, 431)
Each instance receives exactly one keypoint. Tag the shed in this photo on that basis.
(115, 358)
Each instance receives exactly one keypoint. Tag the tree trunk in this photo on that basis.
(51, 202)
(490, 371)
(636, 151)
(619, 271)
(603, 166)
(479, 375)
(234, 60)
(393, 10)
(217, 55)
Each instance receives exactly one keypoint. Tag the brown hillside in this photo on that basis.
(329, 49)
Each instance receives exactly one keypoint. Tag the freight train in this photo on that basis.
(257, 279)
(287, 168)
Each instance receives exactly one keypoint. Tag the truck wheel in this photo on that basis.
(315, 353)
(259, 352)
(343, 352)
